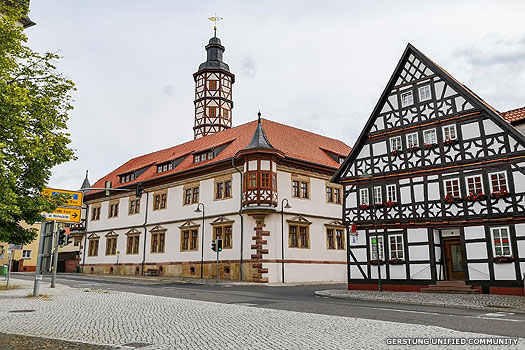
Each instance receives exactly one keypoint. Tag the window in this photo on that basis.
(93, 247)
(224, 233)
(227, 189)
(474, 184)
(113, 210)
(132, 246)
(164, 167)
(252, 180)
(333, 195)
(225, 113)
(412, 140)
(335, 238)
(223, 189)
(219, 190)
(430, 137)
(378, 198)
(304, 190)
(127, 177)
(395, 143)
(298, 236)
(374, 242)
(501, 241)
(295, 188)
(265, 179)
(191, 195)
(111, 245)
(424, 93)
(337, 195)
(452, 188)
(498, 182)
(26, 254)
(363, 194)
(134, 206)
(212, 112)
(160, 201)
(212, 84)
(396, 246)
(157, 242)
(449, 132)
(203, 156)
(189, 239)
(391, 194)
(274, 180)
(407, 99)
(95, 213)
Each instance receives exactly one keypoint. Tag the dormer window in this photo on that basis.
(204, 156)
(127, 177)
(407, 99)
(164, 167)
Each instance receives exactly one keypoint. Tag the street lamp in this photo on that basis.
(366, 175)
(288, 206)
(198, 210)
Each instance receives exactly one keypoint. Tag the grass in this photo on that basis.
(41, 296)
(11, 286)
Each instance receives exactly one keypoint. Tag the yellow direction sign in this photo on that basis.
(63, 214)
(75, 198)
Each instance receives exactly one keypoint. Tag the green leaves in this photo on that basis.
(34, 107)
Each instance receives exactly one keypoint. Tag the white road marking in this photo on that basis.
(499, 314)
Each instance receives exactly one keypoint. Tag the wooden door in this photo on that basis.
(454, 260)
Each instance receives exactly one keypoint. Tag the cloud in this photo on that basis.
(495, 51)
(249, 68)
(169, 90)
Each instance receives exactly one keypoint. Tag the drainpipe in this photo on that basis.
(242, 220)
(145, 233)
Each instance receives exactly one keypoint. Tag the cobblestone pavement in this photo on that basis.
(491, 302)
(115, 318)
(23, 342)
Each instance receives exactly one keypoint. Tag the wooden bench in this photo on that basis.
(152, 272)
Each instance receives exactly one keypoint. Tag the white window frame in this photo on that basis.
(408, 103)
(433, 137)
(445, 186)
(412, 135)
(449, 127)
(364, 199)
(391, 193)
(423, 88)
(497, 173)
(379, 243)
(398, 238)
(378, 195)
(474, 177)
(395, 143)
(492, 229)
(24, 255)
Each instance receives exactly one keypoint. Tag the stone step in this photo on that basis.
(451, 287)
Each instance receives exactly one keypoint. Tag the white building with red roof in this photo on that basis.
(263, 188)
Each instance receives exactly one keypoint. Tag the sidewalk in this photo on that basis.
(488, 302)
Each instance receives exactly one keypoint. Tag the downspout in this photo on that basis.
(242, 219)
(85, 238)
(145, 234)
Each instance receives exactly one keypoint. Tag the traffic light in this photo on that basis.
(61, 237)
(214, 245)
(219, 245)
(139, 190)
(69, 239)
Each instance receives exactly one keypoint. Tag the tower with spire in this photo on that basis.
(213, 92)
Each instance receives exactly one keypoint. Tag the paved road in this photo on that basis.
(302, 299)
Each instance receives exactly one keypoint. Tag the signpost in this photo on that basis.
(63, 215)
(74, 200)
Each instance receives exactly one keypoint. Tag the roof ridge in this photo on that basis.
(304, 130)
(513, 110)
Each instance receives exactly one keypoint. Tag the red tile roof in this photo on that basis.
(293, 142)
(514, 115)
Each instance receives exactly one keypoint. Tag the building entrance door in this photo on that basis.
(454, 260)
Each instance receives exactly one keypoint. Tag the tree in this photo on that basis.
(34, 107)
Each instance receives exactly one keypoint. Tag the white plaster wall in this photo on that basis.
(478, 271)
(490, 127)
(379, 148)
(420, 272)
(476, 250)
(521, 249)
(433, 191)
(373, 271)
(519, 181)
(504, 271)
(418, 252)
(311, 273)
(470, 130)
(520, 230)
(360, 254)
(398, 272)
(419, 194)
(417, 235)
(355, 273)
(474, 232)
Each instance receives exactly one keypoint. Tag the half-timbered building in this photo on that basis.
(435, 188)
(262, 187)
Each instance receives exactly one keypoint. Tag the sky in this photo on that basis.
(316, 65)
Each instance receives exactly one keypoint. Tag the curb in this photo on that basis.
(422, 303)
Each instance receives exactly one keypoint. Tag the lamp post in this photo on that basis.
(198, 210)
(366, 175)
(288, 206)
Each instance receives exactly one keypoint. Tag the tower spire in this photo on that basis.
(215, 19)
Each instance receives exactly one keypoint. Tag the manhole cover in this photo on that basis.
(137, 345)
(21, 311)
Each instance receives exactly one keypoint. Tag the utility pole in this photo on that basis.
(217, 272)
(55, 257)
(38, 270)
